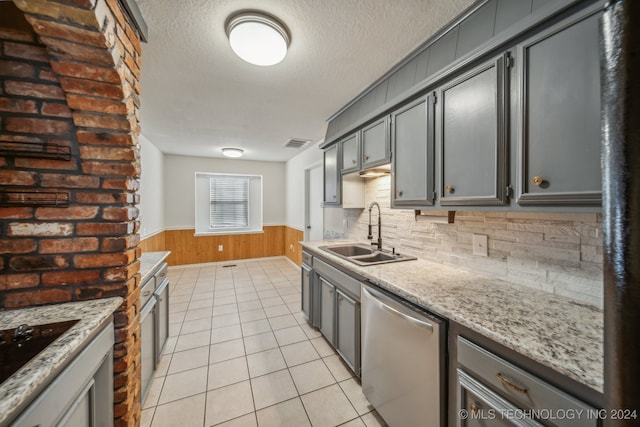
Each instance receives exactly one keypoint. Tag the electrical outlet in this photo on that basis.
(220, 248)
(480, 246)
(292, 248)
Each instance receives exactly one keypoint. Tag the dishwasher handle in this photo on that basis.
(379, 299)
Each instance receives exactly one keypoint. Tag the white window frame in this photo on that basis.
(203, 204)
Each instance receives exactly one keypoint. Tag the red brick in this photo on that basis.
(110, 168)
(16, 213)
(129, 184)
(104, 198)
(3, 162)
(55, 109)
(46, 164)
(40, 229)
(13, 105)
(68, 213)
(13, 177)
(122, 273)
(86, 71)
(92, 88)
(18, 281)
(106, 138)
(39, 262)
(37, 297)
(62, 31)
(119, 213)
(37, 125)
(100, 105)
(103, 260)
(104, 228)
(35, 90)
(16, 69)
(86, 4)
(20, 138)
(69, 181)
(82, 53)
(78, 244)
(17, 35)
(100, 121)
(47, 74)
(133, 66)
(76, 277)
(116, 244)
(26, 51)
(107, 153)
(17, 246)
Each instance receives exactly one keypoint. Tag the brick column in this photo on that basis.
(73, 79)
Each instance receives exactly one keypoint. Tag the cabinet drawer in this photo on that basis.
(348, 284)
(521, 387)
(307, 258)
(147, 291)
(161, 274)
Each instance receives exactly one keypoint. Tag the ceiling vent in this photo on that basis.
(296, 143)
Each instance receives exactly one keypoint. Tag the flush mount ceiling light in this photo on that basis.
(232, 152)
(257, 38)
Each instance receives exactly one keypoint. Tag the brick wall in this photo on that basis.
(559, 253)
(69, 75)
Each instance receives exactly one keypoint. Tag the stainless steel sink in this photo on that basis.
(364, 255)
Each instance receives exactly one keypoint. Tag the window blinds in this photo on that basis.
(229, 201)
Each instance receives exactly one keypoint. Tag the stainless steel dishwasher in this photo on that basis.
(402, 360)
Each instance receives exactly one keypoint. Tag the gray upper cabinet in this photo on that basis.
(351, 153)
(376, 144)
(559, 141)
(412, 168)
(332, 179)
(473, 136)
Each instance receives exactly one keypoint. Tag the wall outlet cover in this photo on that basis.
(480, 246)
(220, 248)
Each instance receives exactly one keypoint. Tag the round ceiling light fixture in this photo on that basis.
(232, 152)
(257, 38)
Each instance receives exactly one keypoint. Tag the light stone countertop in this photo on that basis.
(19, 389)
(149, 261)
(557, 332)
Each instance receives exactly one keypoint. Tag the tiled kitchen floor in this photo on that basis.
(240, 353)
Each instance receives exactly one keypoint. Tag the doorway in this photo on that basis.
(314, 213)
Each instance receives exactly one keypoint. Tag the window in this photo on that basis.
(228, 204)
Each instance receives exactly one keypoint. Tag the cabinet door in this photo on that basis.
(348, 331)
(473, 137)
(81, 413)
(480, 406)
(412, 138)
(147, 346)
(351, 153)
(306, 292)
(560, 130)
(327, 320)
(376, 146)
(162, 317)
(332, 181)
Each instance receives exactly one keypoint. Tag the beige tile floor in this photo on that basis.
(240, 353)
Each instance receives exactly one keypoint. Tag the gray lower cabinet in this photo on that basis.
(560, 135)
(473, 136)
(82, 394)
(412, 166)
(494, 392)
(162, 317)
(310, 293)
(376, 144)
(351, 153)
(148, 342)
(348, 329)
(328, 304)
(332, 176)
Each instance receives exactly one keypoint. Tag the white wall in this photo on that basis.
(151, 189)
(295, 189)
(179, 186)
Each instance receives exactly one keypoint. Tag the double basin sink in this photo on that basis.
(361, 254)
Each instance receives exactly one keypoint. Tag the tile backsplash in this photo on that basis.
(560, 253)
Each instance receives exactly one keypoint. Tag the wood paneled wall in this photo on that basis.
(293, 249)
(186, 248)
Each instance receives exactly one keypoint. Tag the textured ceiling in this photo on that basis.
(198, 97)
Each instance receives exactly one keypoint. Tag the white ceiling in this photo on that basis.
(198, 97)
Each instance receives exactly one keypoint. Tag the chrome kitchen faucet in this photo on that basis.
(370, 236)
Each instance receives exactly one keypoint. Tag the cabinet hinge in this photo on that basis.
(435, 196)
(434, 98)
(508, 59)
(509, 191)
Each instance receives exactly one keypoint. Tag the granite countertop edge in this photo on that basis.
(149, 262)
(557, 332)
(18, 390)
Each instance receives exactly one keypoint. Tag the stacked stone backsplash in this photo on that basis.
(559, 253)
(69, 77)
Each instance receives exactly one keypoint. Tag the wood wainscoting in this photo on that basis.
(187, 248)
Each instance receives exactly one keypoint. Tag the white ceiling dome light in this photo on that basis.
(257, 38)
(232, 152)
